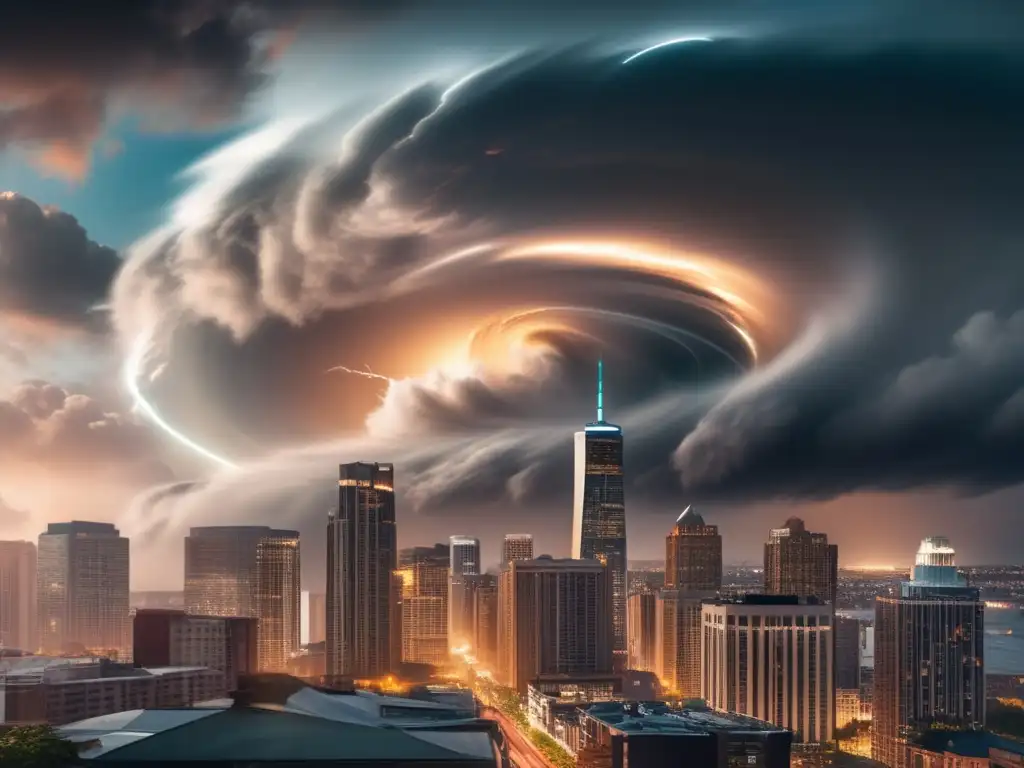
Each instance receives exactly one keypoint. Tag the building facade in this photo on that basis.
(465, 563)
(82, 590)
(848, 644)
(485, 619)
(18, 624)
(248, 572)
(56, 691)
(316, 617)
(693, 554)
(558, 617)
(599, 506)
(362, 555)
(424, 577)
(798, 562)
(170, 638)
(677, 652)
(516, 546)
(929, 655)
(771, 658)
(642, 625)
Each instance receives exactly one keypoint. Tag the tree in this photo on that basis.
(36, 746)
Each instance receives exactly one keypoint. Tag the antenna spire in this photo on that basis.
(600, 390)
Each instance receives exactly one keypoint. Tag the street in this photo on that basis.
(520, 749)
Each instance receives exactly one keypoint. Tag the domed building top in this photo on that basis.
(690, 518)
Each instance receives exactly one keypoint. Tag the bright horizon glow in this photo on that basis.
(665, 44)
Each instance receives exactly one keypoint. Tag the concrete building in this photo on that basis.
(485, 619)
(424, 599)
(771, 658)
(516, 546)
(599, 507)
(18, 623)
(362, 555)
(798, 562)
(693, 554)
(465, 563)
(39, 689)
(314, 607)
(654, 735)
(929, 655)
(248, 572)
(557, 620)
(677, 632)
(82, 590)
(167, 638)
(643, 631)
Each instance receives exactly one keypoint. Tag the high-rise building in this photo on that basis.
(278, 599)
(314, 606)
(693, 554)
(171, 638)
(248, 571)
(18, 595)
(485, 619)
(424, 576)
(929, 655)
(362, 555)
(798, 562)
(516, 546)
(642, 631)
(677, 632)
(848, 641)
(599, 506)
(465, 562)
(82, 590)
(771, 657)
(558, 619)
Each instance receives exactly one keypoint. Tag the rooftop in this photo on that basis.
(656, 717)
(967, 743)
(283, 720)
(690, 518)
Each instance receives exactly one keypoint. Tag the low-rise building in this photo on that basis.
(964, 749)
(41, 689)
(654, 735)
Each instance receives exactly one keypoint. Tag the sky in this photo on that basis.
(242, 242)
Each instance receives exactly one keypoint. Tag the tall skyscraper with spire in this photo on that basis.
(599, 506)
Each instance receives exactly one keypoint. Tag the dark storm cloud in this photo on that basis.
(66, 68)
(49, 268)
(874, 189)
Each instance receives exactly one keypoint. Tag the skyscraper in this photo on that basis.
(558, 619)
(278, 599)
(642, 631)
(248, 571)
(677, 631)
(516, 546)
(18, 595)
(82, 585)
(798, 562)
(314, 605)
(424, 576)
(929, 660)
(485, 619)
(465, 562)
(693, 554)
(362, 554)
(848, 638)
(771, 657)
(599, 506)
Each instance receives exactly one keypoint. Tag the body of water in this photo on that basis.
(1004, 639)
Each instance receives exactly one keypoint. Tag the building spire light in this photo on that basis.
(600, 390)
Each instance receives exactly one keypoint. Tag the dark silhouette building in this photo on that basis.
(362, 555)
